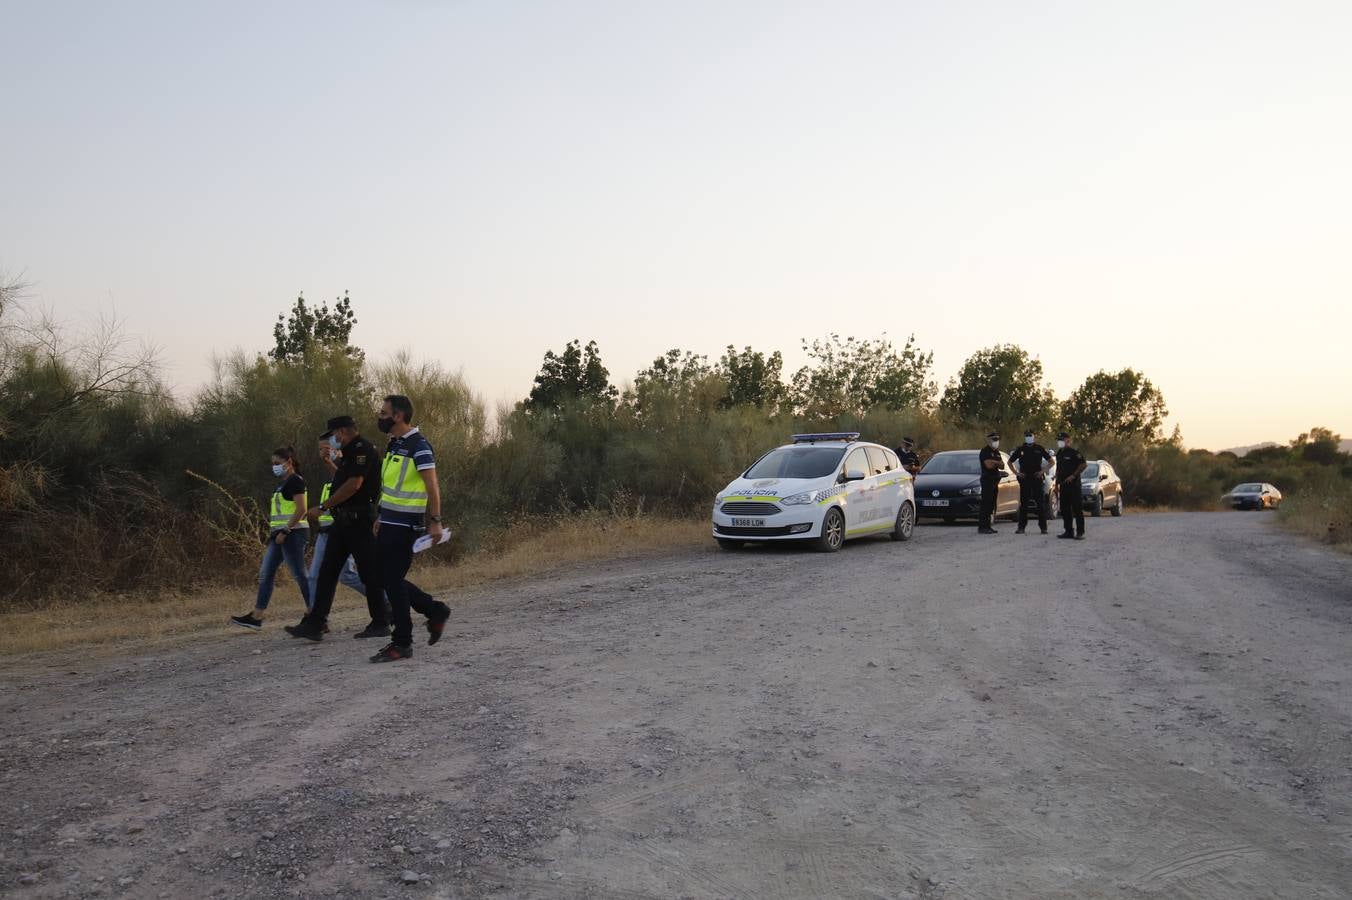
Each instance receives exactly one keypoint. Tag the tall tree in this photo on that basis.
(297, 337)
(1320, 445)
(1122, 403)
(854, 376)
(752, 378)
(1001, 386)
(574, 374)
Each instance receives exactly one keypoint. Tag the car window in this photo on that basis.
(877, 460)
(1247, 489)
(797, 462)
(952, 462)
(892, 461)
(857, 462)
(1091, 472)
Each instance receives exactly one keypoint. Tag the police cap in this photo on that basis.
(909, 442)
(1063, 436)
(993, 436)
(338, 422)
(1028, 433)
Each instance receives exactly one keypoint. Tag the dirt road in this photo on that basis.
(1163, 710)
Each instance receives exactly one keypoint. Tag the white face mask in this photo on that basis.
(995, 444)
(1060, 445)
(334, 442)
(278, 469)
(1028, 440)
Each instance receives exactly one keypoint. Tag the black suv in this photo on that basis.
(1101, 487)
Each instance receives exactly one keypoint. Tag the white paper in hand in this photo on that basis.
(427, 540)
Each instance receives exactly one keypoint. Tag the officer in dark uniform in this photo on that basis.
(353, 504)
(992, 470)
(1031, 458)
(1069, 466)
(906, 453)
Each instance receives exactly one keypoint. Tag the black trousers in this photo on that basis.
(396, 555)
(1030, 490)
(990, 490)
(1072, 507)
(350, 538)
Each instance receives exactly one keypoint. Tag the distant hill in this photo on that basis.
(1343, 447)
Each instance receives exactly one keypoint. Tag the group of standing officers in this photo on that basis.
(370, 514)
(1031, 463)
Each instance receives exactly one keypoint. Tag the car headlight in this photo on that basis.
(799, 499)
(971, 490)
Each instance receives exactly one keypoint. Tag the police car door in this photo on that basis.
(858, 493)
(884, 471)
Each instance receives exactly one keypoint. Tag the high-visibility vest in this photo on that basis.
(325, 516)
(401, 485)
(282, 511)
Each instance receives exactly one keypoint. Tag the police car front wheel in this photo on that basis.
(833, 531)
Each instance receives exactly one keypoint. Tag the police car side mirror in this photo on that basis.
(1103, 477)
(855, 475)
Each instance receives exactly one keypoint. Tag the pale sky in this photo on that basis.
(1162, 185)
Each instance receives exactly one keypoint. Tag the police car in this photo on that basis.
(824, 488)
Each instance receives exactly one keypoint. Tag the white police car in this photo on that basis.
(827, 488)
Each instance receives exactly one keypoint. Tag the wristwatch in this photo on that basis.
(434, 518)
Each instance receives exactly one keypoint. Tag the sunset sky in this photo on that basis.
(1159, 185)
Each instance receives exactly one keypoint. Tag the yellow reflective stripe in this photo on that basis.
(325, 517)
(282, 510)
(393, 492)
(884, 526)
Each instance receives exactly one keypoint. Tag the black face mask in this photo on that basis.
(385, 425)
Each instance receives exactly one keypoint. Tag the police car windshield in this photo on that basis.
(1247, 489)
(797, 462)
(960, 463)
(1091, 471)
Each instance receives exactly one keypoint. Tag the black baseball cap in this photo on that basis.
(1063, 436)
(907, 440)
(338, 422)
(993, 436)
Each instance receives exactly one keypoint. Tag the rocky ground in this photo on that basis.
(1162, 710)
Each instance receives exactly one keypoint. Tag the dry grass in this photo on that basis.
(1323, 515)
(526, 549)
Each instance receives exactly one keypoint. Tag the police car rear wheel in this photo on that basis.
(905, 523)
(1097, 509)
(725, 544)
(1117, 507)
(833, 531)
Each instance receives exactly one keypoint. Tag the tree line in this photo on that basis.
(110, 483)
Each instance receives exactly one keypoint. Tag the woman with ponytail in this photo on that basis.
(288, 531)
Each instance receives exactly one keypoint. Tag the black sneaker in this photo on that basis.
(373, 630)
(392, 653)
(1066, 534)
(986, 531)
(1044, 531)
(1018, 530)
(1079, 537)
(307, 630)
(435, 627)
(247, 621)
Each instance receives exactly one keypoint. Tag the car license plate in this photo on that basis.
(748, 523)
(933, 502)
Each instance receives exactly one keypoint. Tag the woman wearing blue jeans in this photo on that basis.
(287, 535)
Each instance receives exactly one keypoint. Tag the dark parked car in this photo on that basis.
(1254, 495)
(1102, 489)
(949, 487)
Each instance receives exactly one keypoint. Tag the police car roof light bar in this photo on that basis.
(826, 436)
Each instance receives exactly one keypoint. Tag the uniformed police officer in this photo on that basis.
(909, 460)
(410, 504)
(1031, 460)
(992, 470)
(1069, 466)
(352, 503)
